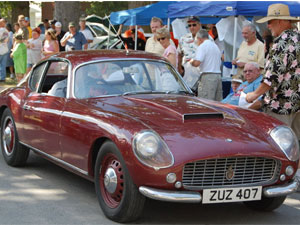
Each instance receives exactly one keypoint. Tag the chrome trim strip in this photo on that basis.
(171, 196)
(283, 190)
(57, 160)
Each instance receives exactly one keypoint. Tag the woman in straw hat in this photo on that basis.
(281, 82)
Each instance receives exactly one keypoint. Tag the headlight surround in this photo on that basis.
(151, 150)
(287, 141)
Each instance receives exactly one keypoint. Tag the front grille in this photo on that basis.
(239, 171)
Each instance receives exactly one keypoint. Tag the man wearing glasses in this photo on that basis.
(253, 79)
(186, 51)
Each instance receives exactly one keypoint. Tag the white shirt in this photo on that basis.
(209, 55)
(34, 54)
(4, 37)
(88, 36)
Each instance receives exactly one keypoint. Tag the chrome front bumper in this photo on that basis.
(195, 197)
(275, 191)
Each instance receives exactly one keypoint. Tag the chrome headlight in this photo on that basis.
(151, 150)
(287, 141)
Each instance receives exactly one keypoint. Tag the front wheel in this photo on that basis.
(266, 204)
(13, 152)
(118, 196)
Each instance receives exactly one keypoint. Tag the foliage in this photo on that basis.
(6, 8)
(106, 7)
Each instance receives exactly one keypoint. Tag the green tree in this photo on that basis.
(10, 10)
(6, 9)
(106, 7)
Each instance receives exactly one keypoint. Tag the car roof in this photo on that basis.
(79, 57)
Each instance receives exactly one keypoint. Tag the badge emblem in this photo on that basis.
(230, 173)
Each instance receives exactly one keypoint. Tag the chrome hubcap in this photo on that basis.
(7, 139)
(110, 180)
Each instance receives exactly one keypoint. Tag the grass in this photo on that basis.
(9, 82)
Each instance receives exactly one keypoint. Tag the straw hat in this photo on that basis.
(278, 12)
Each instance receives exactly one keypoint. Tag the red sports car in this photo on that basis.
(127, 121)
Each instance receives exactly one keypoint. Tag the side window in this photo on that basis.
(99, 30)
(36, 76)
(55, 80)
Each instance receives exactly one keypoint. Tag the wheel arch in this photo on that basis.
(2, 108)
(95, 148)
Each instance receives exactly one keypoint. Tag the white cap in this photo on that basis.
(58, 24)
(237, 80)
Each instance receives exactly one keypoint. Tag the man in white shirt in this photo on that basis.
(208, 59)
(186, 51)
(86, 32)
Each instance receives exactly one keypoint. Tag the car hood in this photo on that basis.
(190, 125)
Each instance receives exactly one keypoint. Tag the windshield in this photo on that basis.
(100, 30)
(125, 78)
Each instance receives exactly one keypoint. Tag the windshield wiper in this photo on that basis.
(180, 92)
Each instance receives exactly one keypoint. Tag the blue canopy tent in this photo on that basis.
(209, 12)
(226, 8)
(141, 15)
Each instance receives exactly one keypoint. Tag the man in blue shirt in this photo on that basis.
(253, 80)
(74, 40)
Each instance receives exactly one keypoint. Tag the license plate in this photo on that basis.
(241, 194)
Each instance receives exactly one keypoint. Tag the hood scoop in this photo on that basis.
(194, 116)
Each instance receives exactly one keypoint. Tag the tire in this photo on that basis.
(266, 204)
(118, 196)
(13, 152)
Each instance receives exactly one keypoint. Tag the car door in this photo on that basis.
(42, 110)
(31, 130)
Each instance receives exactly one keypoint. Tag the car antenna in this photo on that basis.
(110, 25)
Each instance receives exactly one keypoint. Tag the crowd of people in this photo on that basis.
(267, 78)
(21, 49)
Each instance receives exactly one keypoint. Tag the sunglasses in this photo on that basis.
(162, 38)
(192, 25)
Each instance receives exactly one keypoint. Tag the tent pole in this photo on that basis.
(136, 37)
(234, 42)
(108, 36)
(169, 24)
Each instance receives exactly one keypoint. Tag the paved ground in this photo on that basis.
(45, 194)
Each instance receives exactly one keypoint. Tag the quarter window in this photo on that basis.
(36, 75)
(55, 79)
